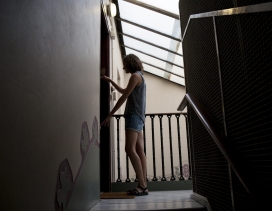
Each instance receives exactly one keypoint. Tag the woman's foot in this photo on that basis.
(138, 191)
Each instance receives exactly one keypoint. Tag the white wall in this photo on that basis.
(164, 97)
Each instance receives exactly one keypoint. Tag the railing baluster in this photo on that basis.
(153, 147)
(188, 146)
(127, 180)
(144, 140)
(171, 150)
(180, 156)
(162, 148)
(118, 150)
(145, 148)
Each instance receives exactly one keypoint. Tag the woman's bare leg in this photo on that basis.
(141, 154)
(131, 142)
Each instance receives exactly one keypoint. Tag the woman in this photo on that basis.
(135, 94)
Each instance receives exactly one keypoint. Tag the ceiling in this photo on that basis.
(150, 29)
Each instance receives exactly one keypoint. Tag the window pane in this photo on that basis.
(147, 59)
(178, 71)
(161, 73)
(145, 47)
(180, 49)
(146, 35)
(149, 49)
(158, 22)
(177, 80)
(179, 60)
(153, 70)
(145, 17)
(171, 6)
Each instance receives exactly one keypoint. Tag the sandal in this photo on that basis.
(135, 192)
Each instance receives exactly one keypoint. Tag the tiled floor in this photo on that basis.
(156, 200)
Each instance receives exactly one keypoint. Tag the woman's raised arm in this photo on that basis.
(117, 87)
(133, 81)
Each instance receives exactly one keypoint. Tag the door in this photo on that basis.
(105, 151)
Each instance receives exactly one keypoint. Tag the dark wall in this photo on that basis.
(49, 91)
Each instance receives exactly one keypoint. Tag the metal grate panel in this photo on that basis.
(210, 169)
(189, 7)
(242, 199)
(201, 72)
(246, 64)
(245, 49)
(241, 3)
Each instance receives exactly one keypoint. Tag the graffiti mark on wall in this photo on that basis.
(65, 183)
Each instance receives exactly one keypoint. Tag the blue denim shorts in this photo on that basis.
(134, 122)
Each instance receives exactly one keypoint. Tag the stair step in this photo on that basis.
(154, 186)
(156, 200)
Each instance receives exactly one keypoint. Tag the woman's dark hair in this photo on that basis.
(133, 63)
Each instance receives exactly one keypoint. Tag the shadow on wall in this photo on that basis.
(65, 183)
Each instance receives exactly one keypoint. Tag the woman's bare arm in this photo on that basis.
(117, 87)
(133, 81)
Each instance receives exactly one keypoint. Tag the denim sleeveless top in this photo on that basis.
(136, 101)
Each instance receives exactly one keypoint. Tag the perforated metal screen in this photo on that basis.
(245, 58)
(249, 2)
(201, 71)
(246, 64)
(189, 7)
(210, 168)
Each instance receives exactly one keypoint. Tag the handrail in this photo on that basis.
(224, 145)
(151, 114)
